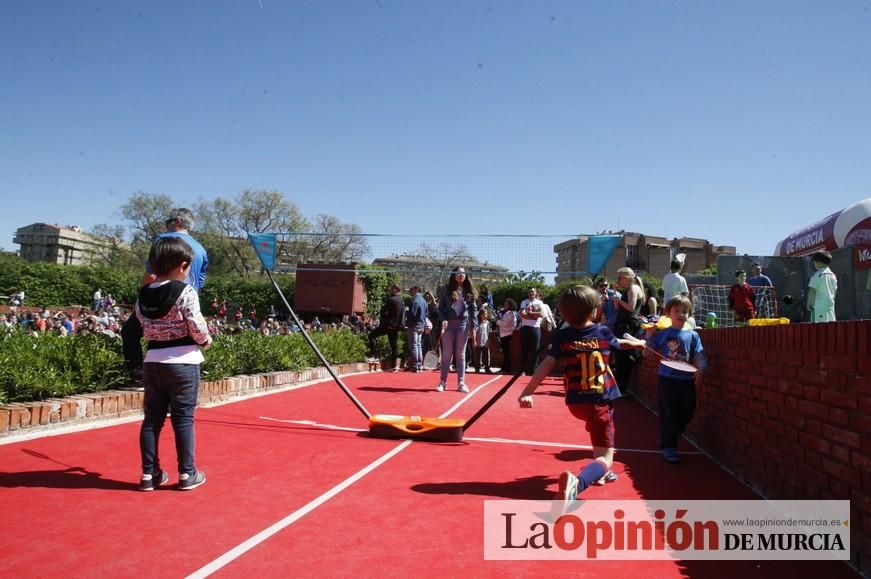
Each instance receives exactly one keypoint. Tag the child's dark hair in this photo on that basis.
(577, 304)
(740, 272)
(682, 301)
(676, 265)
(512, 305)
(787, 299)
(822, 257)
(167, 253)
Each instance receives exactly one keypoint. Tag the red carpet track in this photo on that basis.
(70, 506)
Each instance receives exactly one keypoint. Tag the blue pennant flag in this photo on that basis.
(600, 249)
(265, 247)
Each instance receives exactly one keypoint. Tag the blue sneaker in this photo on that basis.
(670, 455)
(188, 482)
(151, 481)
(568, 489)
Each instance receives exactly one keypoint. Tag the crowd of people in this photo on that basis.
(461, 324)
(597, 341)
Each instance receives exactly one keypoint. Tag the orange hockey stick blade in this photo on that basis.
(416, 427)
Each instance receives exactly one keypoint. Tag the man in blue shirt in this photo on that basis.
(178, 224)
(764, 297)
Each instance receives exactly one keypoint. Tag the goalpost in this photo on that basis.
(715, 298)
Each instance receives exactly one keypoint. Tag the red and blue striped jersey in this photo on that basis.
(586, 355)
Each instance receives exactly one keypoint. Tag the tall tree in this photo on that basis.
(146, 213)
(327, 240)
(111, 250)
(226, 225)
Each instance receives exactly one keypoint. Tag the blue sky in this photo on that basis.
(736, 121)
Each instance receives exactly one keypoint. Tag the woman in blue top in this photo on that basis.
(458, 314)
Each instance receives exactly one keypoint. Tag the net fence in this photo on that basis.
(714, 299)
(428, 259)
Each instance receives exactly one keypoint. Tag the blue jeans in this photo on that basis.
(530, 342)
(174, 386)
(453, 343)
(415, 347)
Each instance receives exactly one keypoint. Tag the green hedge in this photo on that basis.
(48, 366)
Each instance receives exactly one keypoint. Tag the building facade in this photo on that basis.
(66, 245)
(643, 253)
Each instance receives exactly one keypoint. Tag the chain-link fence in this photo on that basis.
(790, 276)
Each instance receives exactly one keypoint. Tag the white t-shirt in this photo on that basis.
(825, 285)
(531, 305)
(673, 284)
(507, 323)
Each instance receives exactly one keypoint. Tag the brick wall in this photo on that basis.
(788, 410)
(26, 417)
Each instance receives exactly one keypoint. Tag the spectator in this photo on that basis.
(628, 308)
(178, 224)
(757, 278)
(530, 330)
(674, 284)
(415, 324)
(790, 309)
(608, 311)
(98, 300)
(486, 296)
(822, 288)
(169, 313)
(763, 296)
(389, 325)
(507, 321)
(650, 307)
(458, 315)
(742, 300)
(482, 339)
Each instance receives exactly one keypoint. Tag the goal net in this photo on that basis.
(715, 298)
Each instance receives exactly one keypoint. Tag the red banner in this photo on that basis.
(862, 256)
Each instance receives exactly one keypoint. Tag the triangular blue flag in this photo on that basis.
(600, 248)
(265, 247)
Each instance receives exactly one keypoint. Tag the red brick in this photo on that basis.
(860, 423)
(845, 473)
(4, 419)
(34, 409)
(841, 435)
(862, 331)
(840, 453)
(839, 416)
(813, 442)
(813, 426)
(110, 404)
(839, 362)
(45, 414)
(814, 409)
(863, 365)
(811, 393)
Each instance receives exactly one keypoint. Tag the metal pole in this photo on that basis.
(318, 353)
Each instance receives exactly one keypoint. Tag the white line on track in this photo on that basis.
(246, 546)
(249, 544)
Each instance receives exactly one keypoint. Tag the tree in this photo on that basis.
(433, 264)
(226, 225)
(146, 213)
(112, 251)
(327, 240)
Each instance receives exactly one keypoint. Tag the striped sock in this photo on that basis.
(591, 473)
